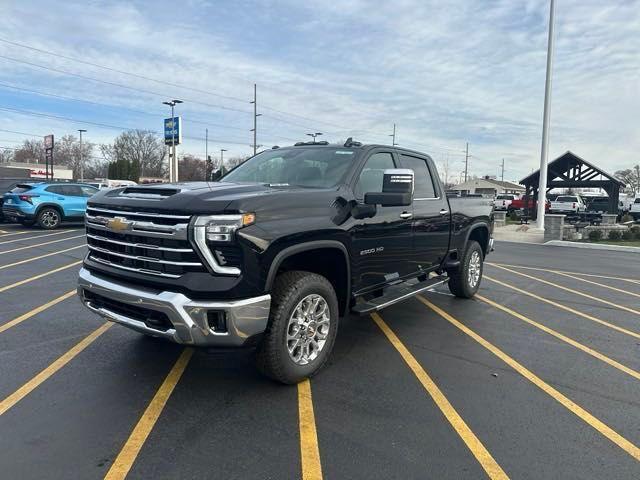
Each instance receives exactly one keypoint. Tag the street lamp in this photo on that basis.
(81, 130)
(173, 162)
(314, 135)
(222, 150)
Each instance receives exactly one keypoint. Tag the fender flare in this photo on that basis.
(476, 226)
(303, 247)
(49, 204)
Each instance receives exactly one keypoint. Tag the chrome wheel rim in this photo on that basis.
(50, 218)
(475, 267)
(308, 329)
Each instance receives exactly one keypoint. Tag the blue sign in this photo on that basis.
(172, 131)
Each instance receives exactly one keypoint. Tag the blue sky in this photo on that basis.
(445, 73)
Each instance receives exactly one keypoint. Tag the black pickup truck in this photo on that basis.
(273, 254)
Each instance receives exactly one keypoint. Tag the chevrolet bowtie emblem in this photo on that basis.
(119, 224)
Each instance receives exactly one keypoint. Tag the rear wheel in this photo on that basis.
(302, 327)
(465, 280)
(49, 218)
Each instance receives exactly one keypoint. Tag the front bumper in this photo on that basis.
(172, 315)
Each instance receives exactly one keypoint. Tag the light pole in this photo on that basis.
(255, 118)
(222, 150)
(314, 135)
(393, 136)
(544, 153)
(173, 161)
(81, 130)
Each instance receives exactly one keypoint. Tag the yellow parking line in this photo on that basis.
(2, 267)
(36, 277)
(41, 244)
(124, 461)
(626, 292)
(631, 280)
(573, 407)
(309, 450)
(563, 338)
(35, 311)
(59, 232)
(571, 290)
(45, 374)
(564, 307)
(486, 460)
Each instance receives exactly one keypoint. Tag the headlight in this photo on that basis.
(218, 228)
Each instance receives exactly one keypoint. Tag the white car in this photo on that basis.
(503, 201)
(635, 209)
(567, 204)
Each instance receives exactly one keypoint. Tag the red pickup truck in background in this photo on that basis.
(521, 204)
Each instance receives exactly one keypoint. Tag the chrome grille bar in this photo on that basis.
(125, 213)
(143, 258)
(138, 245)
(131, 269)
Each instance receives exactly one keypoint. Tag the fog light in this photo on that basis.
(217, 321)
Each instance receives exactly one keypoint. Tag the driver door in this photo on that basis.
(381, 244)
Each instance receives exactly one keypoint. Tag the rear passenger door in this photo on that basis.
(431, 216)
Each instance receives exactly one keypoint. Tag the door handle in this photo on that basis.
(444, 212)
(406, 215)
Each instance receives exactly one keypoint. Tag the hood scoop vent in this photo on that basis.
(148, 193)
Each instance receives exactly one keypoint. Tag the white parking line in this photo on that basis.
(41, 244)
(35, 237)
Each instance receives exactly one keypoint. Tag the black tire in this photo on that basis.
(49, 218)
(460, 282)
(290, 290)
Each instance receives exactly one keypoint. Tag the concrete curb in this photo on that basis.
(593, 246)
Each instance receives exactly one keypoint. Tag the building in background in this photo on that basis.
(487, 187)
(37, 170)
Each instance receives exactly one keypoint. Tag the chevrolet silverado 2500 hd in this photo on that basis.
(273, 254)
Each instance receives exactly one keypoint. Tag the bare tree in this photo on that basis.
(139, 147)
(234, 162)
(6, 155)
(631, 177)
(31, 151)
(191, 168)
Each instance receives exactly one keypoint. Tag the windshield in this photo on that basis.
(567, 199)
(504, 197)
(304, 167)
(21, 188)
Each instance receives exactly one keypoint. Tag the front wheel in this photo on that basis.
(49, 218)
(302, 328)
(465, 280)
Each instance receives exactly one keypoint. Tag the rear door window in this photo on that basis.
(57, 189)
(73, 191)
(88, 191)
(423, 183)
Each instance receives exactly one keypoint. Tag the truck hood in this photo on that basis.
(188, 197)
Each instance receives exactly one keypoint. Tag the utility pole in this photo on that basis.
(638, 179)
(466, 163)
(173, 161)
(81, 130)
(502, 174)
(393, 136)
(255, 119)
(544, 153)
(206, 143)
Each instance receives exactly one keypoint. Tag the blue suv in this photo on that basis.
(46, 204)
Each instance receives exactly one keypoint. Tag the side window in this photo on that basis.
(88, 191)
(73, 191)
(424, 187)
(57, 189)
(370, 179)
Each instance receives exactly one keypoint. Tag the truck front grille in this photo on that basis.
(145, 242)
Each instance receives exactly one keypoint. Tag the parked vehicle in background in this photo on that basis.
(634, 211)
(6, 184)
(626, 201)
(276, 252)
(521, 204)
(47, 204)
(597, 204)
(503, 201)
(567, 204)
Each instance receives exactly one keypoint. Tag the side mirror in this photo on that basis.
(397, 189)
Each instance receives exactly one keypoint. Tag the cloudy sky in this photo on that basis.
(445, 72)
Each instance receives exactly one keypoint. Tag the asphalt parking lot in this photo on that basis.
(536, 378)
